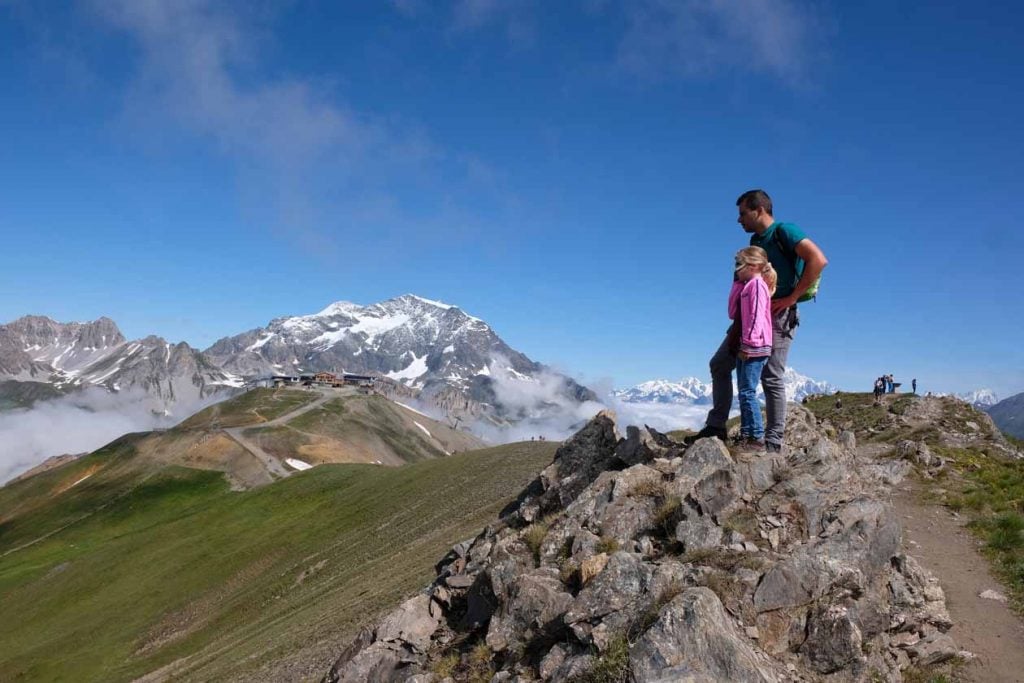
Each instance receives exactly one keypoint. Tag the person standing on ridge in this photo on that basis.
(798, 263)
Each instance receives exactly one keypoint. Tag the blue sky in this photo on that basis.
(566, 171)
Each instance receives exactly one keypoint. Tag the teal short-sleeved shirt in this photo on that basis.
(790, 236)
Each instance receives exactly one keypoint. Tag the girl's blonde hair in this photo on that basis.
(758, 257)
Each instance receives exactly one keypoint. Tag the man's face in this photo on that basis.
(749, 219)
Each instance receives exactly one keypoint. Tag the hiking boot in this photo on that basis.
(773, 447)
(749, 444)
(708, 431)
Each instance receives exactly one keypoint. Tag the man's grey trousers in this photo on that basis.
(723, 364)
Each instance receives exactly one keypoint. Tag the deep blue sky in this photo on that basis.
(566, 171)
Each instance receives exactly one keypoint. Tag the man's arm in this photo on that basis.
(814, 262)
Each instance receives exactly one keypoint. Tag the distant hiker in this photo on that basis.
(913, 385)
(798, 263)
(839, 402)
(879, 388)
(750, 308)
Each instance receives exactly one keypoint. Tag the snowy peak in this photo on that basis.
(979, 398)
(409, 338)
(692, 391)
(688, 390)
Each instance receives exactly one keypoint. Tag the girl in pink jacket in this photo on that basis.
(750, 307)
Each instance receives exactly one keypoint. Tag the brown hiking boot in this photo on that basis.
(749, 445)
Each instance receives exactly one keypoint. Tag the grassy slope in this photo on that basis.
(980, 481)
(168, 565)
(250, 408)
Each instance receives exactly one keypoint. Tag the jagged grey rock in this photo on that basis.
(694, 640)
(824, 591)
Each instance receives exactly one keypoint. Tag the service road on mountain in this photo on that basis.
(271, 462)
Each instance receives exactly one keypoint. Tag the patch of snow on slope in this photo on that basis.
(412, 409)
(81, 480)
(415, 369)
(373, 327)
(260, 342)
(298, 464)
(425, 430)
(432, 302)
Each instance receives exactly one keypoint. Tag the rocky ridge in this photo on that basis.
(640, 559)
(69, 356)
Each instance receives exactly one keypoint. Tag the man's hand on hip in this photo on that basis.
(782, 304)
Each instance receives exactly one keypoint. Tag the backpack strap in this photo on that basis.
(790, 255)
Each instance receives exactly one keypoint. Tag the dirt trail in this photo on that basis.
(273, 465)
(985, 627)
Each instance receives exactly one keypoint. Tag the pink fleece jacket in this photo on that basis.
(752, 302)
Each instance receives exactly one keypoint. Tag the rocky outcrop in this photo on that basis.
(638, 559)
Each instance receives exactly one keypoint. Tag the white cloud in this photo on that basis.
(79, 423)
(308, 164)
(544, 408)
(669, 38)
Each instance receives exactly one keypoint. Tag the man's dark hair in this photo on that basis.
(755, 199)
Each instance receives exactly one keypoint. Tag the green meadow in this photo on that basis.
(138, 569)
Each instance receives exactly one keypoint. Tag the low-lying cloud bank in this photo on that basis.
(547, 409)
(78, 423)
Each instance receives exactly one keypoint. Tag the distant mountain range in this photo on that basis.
(692, 391)
(434, 351)
(70, 356)
(979, 398)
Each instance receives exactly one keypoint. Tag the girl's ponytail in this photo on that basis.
(771, 278)
(758, 257)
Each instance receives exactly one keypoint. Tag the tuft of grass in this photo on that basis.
(446, 665)
(478, 664)
(533, 536)
(611, 667)
(649, 488)
(744, 522)
(606, 544)
(666, 516)
(1007, 532)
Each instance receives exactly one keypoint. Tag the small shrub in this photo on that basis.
(606, 544)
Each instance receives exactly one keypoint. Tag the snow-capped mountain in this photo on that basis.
(687, 391)
(692, 391)
(426, 345)
(979, 398)
(77, 355)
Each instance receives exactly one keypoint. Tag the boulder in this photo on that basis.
(533, 608)
(693, 639)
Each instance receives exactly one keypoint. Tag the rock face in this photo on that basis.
(636, 559)
(69, 356)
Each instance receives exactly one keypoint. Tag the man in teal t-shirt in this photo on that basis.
(798, 262)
